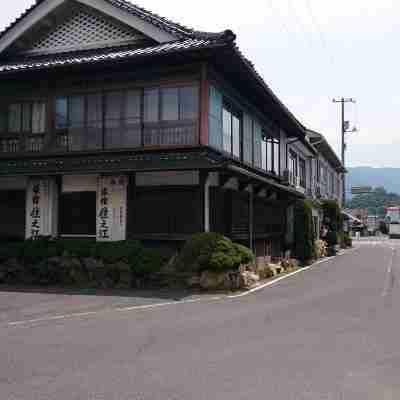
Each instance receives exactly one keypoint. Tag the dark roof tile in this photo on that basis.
(109, 55)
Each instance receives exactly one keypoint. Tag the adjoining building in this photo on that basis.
(327, 176)
(116, 123)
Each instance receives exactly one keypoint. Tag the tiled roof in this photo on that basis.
(109, 55)
(322, 145)
(180, 31)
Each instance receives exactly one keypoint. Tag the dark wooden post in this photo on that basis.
(251, 217)
(130, 204)
(204, 205)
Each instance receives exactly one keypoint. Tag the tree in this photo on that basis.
(376, 201)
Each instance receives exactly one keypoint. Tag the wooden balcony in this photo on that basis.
(88, 139)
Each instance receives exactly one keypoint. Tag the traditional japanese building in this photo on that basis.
(117, 123)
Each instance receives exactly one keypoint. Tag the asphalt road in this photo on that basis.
(331, 332)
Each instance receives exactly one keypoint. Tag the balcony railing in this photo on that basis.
(75, 139)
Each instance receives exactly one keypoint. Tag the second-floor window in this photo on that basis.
(333, 189)
(317, 171)
(169, 115)
(79, 122)
(22, 126)
(231, 127)
(292, 163)
(302, 172)
(271, 154)
(127, 118)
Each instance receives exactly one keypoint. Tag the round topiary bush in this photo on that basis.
(212, 251)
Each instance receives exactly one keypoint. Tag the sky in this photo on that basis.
(309, 52)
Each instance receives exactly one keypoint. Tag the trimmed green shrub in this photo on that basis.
(245, 254)
(212, 251)
(78, 263)
(303, 231)
(332, 238)
(332, 215)
(348, 241)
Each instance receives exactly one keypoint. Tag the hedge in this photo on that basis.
(334, 220)
(118, 264)
(82, 263)
(303, 231)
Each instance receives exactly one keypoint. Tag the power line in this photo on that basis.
(299, 23)
(319, 30)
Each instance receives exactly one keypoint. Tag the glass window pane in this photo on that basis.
(247, 139)
(3, 121)
(189, 103)
(227, 130)
(276, 157)
(26, 117)
(269, 156)
(170, 104)
(14, 118)
(95, 121)
(61, 113)
(114, 109)
(131, 136)
(132, 106)
(236, 136)
(215, 118)
(114, 123)
(95, 108)
(76, 110)
(151, 105)
(257, 145)
(77, 123)
(264, 154)
(38, 118)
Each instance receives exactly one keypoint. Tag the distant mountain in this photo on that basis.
(389, 178)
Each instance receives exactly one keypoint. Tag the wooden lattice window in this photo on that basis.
(82, 29)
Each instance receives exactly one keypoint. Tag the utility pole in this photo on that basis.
(345, 129)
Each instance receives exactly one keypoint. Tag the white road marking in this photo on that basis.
(175, 303)
(389, 274)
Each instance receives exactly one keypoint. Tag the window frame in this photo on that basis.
(187, 125)
(272, 146)
(24, 139)
(302, 172)
(233, 113)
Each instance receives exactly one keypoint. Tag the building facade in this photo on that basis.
(327, 174)
(118, 124)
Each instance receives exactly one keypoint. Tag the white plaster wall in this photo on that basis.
(79, 183)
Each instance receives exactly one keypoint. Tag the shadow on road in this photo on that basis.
(162, 294)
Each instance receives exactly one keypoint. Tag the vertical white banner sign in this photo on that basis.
(111, 208)
(41, 208)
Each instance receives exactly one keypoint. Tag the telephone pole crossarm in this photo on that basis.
(345, 129)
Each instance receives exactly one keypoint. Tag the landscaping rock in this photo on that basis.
(231, 280)
(264, 271)
(247, 280)
(276, 268)
(212, 280)
(193, 281)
